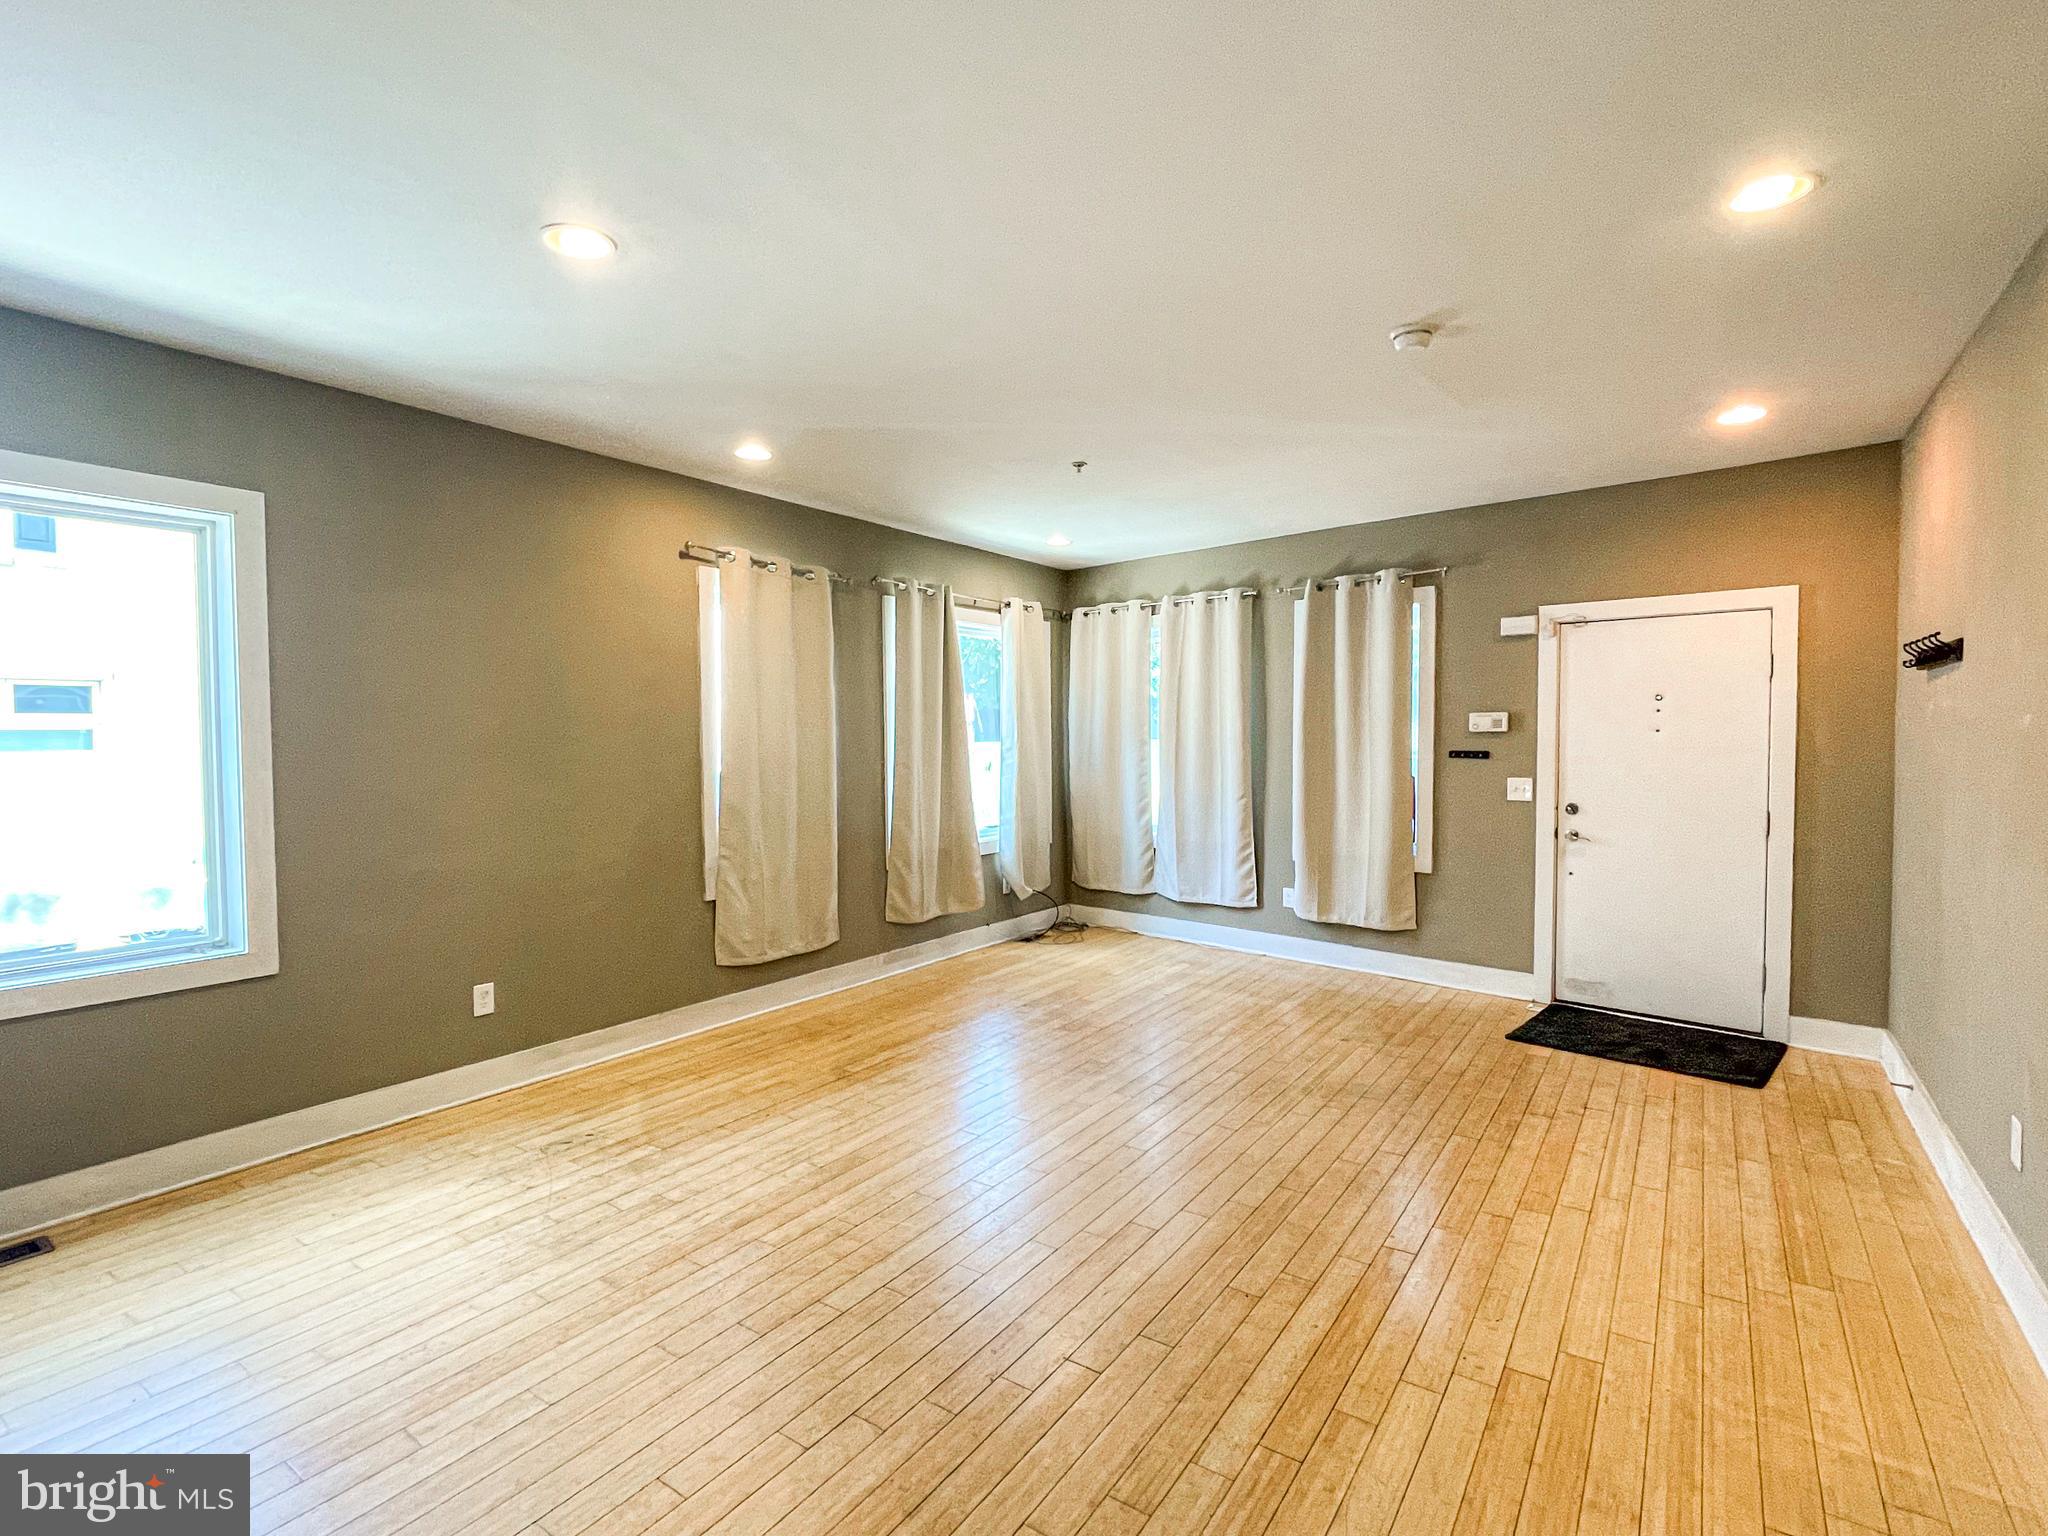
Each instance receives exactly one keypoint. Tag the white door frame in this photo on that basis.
(1783, 605)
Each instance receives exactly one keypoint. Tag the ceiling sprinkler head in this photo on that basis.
(1079, 465)
(1412, 338)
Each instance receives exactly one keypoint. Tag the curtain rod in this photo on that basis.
(711, 554)
(963, 599)
(1302, 583)
(1154, 604)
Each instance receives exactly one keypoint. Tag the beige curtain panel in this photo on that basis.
(1354, 859)
(1024, 849)
(1205, 849)
(1109, 749)
(773, 795)
(934, 863)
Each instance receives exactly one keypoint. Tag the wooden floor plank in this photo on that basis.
(1089, 1239)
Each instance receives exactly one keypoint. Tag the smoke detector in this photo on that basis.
(1412, 338)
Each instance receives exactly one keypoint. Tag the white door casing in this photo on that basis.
(1676, 899)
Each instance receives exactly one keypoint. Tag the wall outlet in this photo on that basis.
(2017, 1151)
(1287, 898)
(483, 999)
(1521, 789)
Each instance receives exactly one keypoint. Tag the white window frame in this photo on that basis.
(229, 524)
(982, 620)
(1422, 618)
(1155, 638)
(711, 713)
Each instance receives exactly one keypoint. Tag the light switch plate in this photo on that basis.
(1519, 624)
(483, 999)
(1521, 789)
(2018, 1149)
(1484, 721)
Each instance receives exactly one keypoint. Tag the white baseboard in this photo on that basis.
(1344, 957)
(1866, 1042)
(2015, 1273)
(29, 1208)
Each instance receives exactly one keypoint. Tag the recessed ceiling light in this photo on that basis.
(579, 242)
(1058, 540)
(754, 452)
(1742, 415)
(1768, 192)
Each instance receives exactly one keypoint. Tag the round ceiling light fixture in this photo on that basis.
(754, 451)
(1769, 192)
(1747, 414)
(578, 242)
(1414, 337)
(1058, 540)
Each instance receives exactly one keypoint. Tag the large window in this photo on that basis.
(1152, 716)
(981, 666)
(134, 737)
(1421, 726)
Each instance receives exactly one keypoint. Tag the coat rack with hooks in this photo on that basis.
(1932, 651)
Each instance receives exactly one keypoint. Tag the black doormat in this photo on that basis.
(1747, 1061)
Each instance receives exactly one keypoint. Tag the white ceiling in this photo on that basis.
(932, 252)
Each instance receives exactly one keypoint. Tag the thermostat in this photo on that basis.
(1483, 721)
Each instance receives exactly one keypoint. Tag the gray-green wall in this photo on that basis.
(1828, 523)
(484, 710)
(484, 704)
(1970, 902)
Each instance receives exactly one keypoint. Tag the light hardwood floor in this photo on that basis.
(1113, 1236)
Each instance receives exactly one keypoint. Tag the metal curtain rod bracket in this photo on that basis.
(711, 554)
(1302, 584)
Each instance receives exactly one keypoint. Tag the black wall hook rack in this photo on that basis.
(1933, 651)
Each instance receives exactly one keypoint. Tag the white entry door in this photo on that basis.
(1663, 815)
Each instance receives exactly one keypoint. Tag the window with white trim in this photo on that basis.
(1422, 724)
(1421, 727)
(1152, 713)
(981, 674)
(981, 668)
(134, 737)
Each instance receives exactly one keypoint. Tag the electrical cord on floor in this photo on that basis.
(1061, 930)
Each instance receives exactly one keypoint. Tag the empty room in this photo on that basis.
(1040, 770)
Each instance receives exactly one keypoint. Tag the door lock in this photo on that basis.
(1571, 807)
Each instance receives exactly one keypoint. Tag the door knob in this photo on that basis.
(1573, 834)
